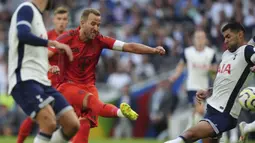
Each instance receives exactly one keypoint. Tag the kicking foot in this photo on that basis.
(128, 112)
(244, 135)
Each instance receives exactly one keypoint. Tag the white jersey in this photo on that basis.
(198, 64)
(232, 73)
(27, 62)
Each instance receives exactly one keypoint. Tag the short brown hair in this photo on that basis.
(61, 10)
(87, 11)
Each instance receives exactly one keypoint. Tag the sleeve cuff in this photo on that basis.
(118, 45)
(45, 42)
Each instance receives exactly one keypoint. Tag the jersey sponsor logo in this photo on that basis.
(225, 68)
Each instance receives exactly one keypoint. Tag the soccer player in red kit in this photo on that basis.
(79, 87)
(60, 21)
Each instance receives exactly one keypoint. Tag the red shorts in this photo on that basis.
(74, 94)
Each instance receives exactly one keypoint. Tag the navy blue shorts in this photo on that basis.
(192, 96)
(33, 96)
(220, 122)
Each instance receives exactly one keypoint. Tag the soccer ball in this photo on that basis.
(247, 98)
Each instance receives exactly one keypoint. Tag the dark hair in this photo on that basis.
(233, 26)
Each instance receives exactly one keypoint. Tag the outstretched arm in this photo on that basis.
(136, 48)
(142, 49)
(61, 40)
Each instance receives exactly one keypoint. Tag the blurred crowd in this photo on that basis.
(169, 23)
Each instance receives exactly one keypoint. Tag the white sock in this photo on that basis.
(119, 114)
(224, 137)
(42, 138)
(249, 127)
(234, 135)
(58, 137)
(177, 140)
(39, 140)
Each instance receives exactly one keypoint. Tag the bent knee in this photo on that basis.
(70, 123)
(52, 125)
(46, 119)
(76, 126)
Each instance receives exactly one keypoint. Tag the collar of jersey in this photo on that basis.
(37, 8)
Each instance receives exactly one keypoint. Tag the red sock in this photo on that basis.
(25, 129)
(109, 111)
(101, 109)
(83, 134)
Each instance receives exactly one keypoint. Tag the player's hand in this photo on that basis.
(54, 69)
(252, 69)
(160, 50)
(63, 47)
(201, 95)
(67, 50)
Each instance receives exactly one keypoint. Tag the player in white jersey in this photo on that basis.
(27, 72)
(223, 108)
(199, 60)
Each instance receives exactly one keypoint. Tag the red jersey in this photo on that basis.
(53, 35)
(86, 55)
(55, 78)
